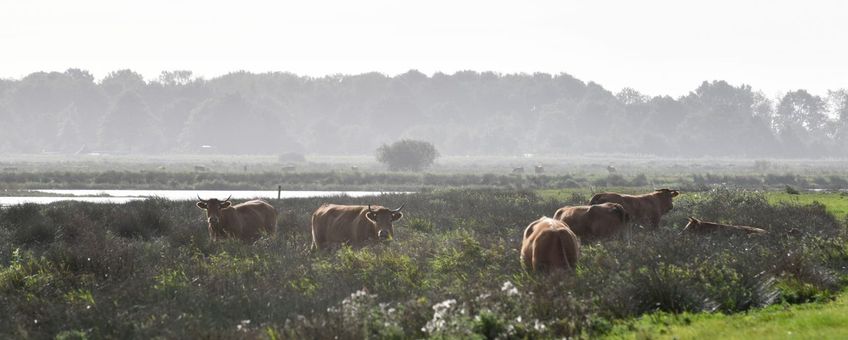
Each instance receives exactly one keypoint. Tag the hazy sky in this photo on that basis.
(657, 47)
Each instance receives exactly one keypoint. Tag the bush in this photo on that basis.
(407, 154)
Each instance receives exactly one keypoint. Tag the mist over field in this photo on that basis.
(465, 113)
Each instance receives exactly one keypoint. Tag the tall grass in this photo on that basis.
(147, 269)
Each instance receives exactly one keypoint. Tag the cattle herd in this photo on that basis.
(549, 244)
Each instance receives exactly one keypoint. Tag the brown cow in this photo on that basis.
(549, 245)
(700, 227)
(246, 221)
(643, 209)
(594, 221)
(352, 224)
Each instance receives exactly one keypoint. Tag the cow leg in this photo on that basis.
(655, 223)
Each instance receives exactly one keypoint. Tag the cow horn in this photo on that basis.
(228, 198)
(399, 208)
(202, 200)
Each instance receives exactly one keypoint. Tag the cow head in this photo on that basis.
(213, 210)
(382, 219)
(666, 196)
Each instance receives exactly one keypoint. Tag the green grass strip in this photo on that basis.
(807, 321)
(836, 203)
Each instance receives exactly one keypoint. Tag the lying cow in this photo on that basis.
(549, 245)
(246, 221)
(646, 209)
(701, 227)
(352, 224)
(594, 221)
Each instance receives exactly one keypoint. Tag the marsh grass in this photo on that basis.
(147, 269)
(316, 179)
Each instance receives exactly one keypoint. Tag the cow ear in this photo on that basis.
(201, 205)
(674, 193)
(371, 217)
(397, 215)
(225, 204)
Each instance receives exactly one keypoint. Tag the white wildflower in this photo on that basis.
(509, 288)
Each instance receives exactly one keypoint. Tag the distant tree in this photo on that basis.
(233, 124)
(120, 81)
(69, 136)
(838, 103)
(129, 126)
(468, 112)
(407, 154)
(800, 108)
(175, 78)
(629, 96)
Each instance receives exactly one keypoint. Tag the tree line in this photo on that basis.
(465, 113)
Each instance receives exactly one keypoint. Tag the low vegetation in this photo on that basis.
(353, 179)
(146, 269)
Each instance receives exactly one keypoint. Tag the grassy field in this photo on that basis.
(808, 321)
(836, 203)
(364, 173)
(147, 269)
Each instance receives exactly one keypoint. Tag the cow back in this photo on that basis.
(646, 209)
(249, 220)
(333, 223)
(548, 245)
(593, 221)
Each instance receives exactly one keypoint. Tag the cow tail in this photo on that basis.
(314, 236)
(272, 229)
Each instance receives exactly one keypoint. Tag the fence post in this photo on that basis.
(279, 190)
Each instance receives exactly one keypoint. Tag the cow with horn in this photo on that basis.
(246, 221)
(645, 209)
(352, 224)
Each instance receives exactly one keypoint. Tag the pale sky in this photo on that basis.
(656, 47)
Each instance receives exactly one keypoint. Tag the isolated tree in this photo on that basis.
(407, 154)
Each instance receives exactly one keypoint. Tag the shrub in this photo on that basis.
(407, 154)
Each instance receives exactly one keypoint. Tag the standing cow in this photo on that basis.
(246, 221)
(646, 209)
(594, 221)
(549, 245)
(352, 224)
